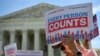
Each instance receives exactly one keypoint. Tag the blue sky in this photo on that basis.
(9, 6)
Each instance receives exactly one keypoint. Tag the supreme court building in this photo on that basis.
(26, 28)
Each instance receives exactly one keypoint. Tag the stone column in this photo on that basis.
(12, 36)
(50, 51)
(1, 35)
(89, 43)
(36, 39)
(62, 54)
(24, 40)
(1, 38)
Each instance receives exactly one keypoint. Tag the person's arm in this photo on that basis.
(84, 51)
(93, 53)
(80, 48)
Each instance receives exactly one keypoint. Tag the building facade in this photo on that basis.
(27, 28)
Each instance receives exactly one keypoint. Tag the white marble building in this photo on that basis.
(26, 28)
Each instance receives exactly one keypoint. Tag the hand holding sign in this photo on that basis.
(84, 51)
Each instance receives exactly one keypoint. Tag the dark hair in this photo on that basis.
(62, 48)
(79, 54)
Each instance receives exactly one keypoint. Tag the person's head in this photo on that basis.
(66, 50)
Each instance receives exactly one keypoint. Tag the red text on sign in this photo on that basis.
(68, 23)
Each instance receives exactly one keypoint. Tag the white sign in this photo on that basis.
(29, 53)
(10, 50)
(75, 20)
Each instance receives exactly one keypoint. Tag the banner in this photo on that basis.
(95, 27)
(29, 53)
(10, 50)
(75, 20)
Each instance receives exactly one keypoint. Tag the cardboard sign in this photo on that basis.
(29, 53)
(10, 50)
(75, 20)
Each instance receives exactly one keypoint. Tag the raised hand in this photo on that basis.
(84, 51)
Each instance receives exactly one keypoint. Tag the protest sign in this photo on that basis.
(29, 53)
(75, 20)
(10, 50)
(95, 28)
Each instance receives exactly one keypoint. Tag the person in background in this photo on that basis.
(66, 50)
(84, 51)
